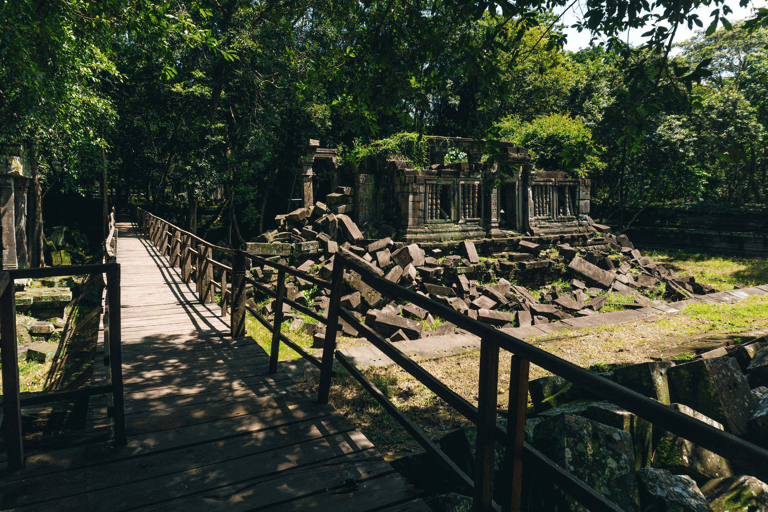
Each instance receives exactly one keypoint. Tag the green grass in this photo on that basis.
(263, 337)
(737, 317)
(722, 272)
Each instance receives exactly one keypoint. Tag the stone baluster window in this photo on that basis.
(469, 201)
(542, 201)
(439, 202)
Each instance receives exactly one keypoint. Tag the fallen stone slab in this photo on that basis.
(599, 455)
(414, 312)
(41, 328)
(351, 301)
(458, 304)
(394, 274)
(757, 368)
(640, 429)
(649, 379)
(349, 229)
(388, 324)
(681, 456)
(441, 291)
(715, 388)
(483, 302)
(568, 303)
(758, 419)
(371, 297)
(736, 493)
(363, 263)
(524, 318)
(490, 317)
(592, 273)
(529, 247)
(660, 491)
(469, 251)
(410, 254)
(41, 351)
(551, 392)
(379, 245)
(384, 259)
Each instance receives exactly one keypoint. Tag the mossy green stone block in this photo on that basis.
(649, 379)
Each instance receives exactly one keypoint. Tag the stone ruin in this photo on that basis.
(15, 176)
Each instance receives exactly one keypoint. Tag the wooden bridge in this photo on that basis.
(207, 426)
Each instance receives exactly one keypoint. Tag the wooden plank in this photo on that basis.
(160, 464)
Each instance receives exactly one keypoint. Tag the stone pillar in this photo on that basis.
(22, 254)
(8, 220)
(307, 194)
(494, 213)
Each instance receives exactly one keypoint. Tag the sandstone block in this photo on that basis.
(736, 493)
(349, 229)
(410, 254)
(661, 491)
(649, 379)
(715, 388)
(468, 250)
(592, 273)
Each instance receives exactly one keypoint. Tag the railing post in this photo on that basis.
(175, 249)
(329, 347)
(186, 255)
(237, 317)
(518, 408)
(223, 292)
(115, 354)
(163, 237)
(274, 353)
(10, 361)
(206, 275)
(486, 444)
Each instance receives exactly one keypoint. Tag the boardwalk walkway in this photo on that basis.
(208, 427)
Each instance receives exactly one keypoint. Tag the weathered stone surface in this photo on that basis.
(379, 244)
(758, 368)
(568, 303)
(371, 297)
(349, 229)
(683, 457)
(468, 250)
(715, 388)
(599, 455)
(591, 272)
(464, 284)
(398, 336)
(363, 263)
(758, 419)
(524, 318)
(661, 491)
(529, 247)
(410, 254)
(384, 259)
(746, 353)
(388, 324)
(414, 312)
(458, 304)
(41, 328)
(41, 351)
(442, 291)
(394, 274)
(494, 317)
(597, 303)
(299, 215)
(351, 301)
(736, 494)
(552, 391)
(649, 379)
(640, 429)
(484, 302)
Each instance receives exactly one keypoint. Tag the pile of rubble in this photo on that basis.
(601, 264)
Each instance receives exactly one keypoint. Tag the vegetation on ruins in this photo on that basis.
(194, 101)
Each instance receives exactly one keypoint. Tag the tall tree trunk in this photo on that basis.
(752, 181)
(192, 216)
(36, 243)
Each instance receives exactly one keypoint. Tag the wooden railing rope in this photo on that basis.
(518, 454)
(12, 401)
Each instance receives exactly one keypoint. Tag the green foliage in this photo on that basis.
(404, 146)
(558, 142)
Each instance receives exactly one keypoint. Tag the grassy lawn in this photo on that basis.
(722, 272)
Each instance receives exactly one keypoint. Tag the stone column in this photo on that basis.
(494, 213)
(8, 220)
(22, 254)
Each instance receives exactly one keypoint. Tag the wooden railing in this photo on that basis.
(518, 453)
(12, 401)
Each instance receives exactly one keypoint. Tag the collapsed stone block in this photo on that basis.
(640, 429)
(592, 273)
(388, 324)
(468, 250)
(758, 419)
(371, 297)
(680, 455)
(410, 254)
(715, 388)
(41, 351)
(552, 391)
(661, 491)
(758, 368)
(649, 379)
(349, 229)
(499, 318)
(736, 493)
(599, 455)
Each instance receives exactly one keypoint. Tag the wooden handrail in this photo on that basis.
(708, 437)
(191, 235)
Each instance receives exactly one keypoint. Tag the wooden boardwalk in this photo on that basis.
(208, 427)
